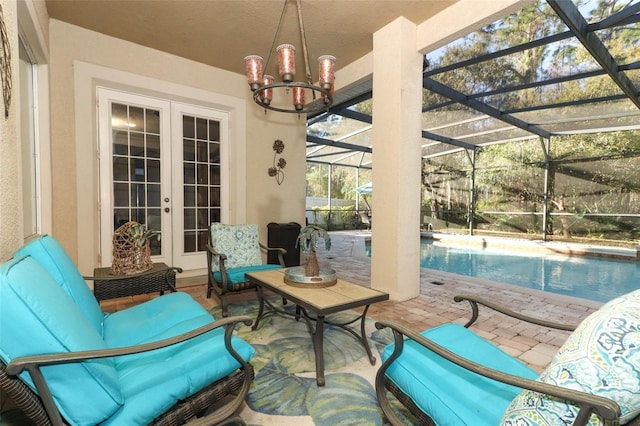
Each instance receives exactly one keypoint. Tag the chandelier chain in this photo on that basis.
(305, 51)
(275, 37)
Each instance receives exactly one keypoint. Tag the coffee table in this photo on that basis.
(318, 302)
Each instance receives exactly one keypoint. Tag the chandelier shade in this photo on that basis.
(263, 86)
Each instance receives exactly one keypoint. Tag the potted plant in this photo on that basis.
(308, 240)
(131, 251)
(140, 235)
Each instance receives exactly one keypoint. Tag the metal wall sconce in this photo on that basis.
(276, 170)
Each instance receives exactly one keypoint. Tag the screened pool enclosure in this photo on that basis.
(530, 126)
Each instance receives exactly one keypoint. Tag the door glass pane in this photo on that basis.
(201, 160)
(136, 168)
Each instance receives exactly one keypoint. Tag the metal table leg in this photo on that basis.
(260, 308)
(318, 345)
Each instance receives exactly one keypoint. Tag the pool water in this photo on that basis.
(586, 277)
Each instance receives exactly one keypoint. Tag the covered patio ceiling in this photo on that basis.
(458, 114)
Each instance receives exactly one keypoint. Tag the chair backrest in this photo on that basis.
(240, 243)
(364, 218)
(54, 259)
(38, 316)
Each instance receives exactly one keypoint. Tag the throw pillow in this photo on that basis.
(601, 357)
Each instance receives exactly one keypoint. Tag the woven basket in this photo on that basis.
(129, 257)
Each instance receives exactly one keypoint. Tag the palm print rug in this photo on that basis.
(285, 392)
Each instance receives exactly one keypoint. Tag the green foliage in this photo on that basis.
(343, 181)
(309, 237)
(139, 234)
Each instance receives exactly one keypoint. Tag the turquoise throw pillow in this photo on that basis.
(601, 357)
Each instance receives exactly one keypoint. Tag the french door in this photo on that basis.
(163, 164)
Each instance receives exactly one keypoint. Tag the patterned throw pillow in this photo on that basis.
(601, 357)
(239, 242)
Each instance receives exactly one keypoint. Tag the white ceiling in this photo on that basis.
(221, 32)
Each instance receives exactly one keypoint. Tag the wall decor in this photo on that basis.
(5, 64)
(276, 170)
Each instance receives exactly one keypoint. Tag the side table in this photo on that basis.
(160, 278)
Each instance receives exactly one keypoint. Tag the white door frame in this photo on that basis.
(88, 76)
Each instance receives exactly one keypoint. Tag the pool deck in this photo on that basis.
(532, 344)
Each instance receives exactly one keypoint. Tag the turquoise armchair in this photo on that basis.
(233, 251)
(448, 375)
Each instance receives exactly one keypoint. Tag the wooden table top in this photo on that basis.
(325, 300)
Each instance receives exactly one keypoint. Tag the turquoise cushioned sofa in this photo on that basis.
(137, 366)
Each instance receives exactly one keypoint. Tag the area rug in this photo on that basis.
(285, 392)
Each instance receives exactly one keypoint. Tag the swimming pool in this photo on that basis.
(586, 277)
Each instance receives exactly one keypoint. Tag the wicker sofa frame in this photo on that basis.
(41, 410)
(588, 403)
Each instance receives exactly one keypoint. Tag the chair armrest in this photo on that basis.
(32, 363)
(588, 403)
(281, 252)
(474, 301)
(213, 252)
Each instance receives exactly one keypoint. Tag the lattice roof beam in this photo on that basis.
(448, 141)
(322, 141)
(571, 16)
(620, 17)
(461, 98)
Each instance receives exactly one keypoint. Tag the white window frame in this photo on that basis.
(33, 39)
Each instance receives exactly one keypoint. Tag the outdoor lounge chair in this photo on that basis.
(233, 251)
(448, 375)
(64, 361)
(365, 219)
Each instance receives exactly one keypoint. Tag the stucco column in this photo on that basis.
(397, 98)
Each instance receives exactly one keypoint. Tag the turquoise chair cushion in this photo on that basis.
(46, 320)
(236, 275)
(451, 395)
(240, 243)
(144, 322)
(601, 357)
(152, 382)
(50, 254)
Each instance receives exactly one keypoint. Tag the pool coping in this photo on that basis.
(548, 247)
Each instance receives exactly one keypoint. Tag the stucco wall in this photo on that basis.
(255, 196)
(10, 206)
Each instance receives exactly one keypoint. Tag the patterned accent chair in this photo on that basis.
(233, 251)
(448, 375)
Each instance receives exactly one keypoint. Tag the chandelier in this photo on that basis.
(263, 85)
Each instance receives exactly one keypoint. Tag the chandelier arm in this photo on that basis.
(305, 52)
(275, 38)
(312, 107)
